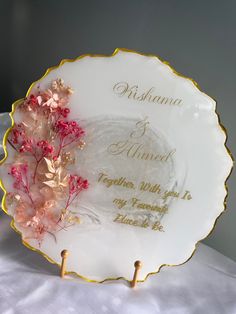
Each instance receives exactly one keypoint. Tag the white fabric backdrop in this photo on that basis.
(30, 284)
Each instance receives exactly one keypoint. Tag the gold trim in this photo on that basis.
(14, 105)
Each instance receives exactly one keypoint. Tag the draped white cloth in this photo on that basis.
(30, 284)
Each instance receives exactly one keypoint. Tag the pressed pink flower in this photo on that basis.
(21, 181)
(39, 99)
(32, 100)
(46, 148)
(17, 134)
(50, 99)
(24, 144)
(64, 112)
(68, 132)
(39, 213)
(77, 184)
(27, 146)
(39, 221)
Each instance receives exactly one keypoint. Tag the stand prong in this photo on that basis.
(64, 255)
(137, 266)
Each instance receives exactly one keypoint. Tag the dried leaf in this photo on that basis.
(51, 183)
(49, 175)
(50, 165)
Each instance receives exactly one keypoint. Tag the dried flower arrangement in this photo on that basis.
(44, 144)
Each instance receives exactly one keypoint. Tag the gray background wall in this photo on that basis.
(196, 37)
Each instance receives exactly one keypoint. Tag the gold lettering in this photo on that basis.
(136, 203)
(118, 148)
(177, 102)
(170, 194)
(144, 224)
(137, 151)
(121, 181)
(121, 88)
(132, 92)
(124, 219)
(187, 196)
(141, 127)
(147, 186)
(119, 202)
(157, 226)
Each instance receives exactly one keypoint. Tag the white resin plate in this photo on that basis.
(154, 157)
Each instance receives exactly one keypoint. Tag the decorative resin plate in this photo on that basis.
(115, 159)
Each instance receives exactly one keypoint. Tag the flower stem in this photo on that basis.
(60, 147)
(13, 146)
(36, 168)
